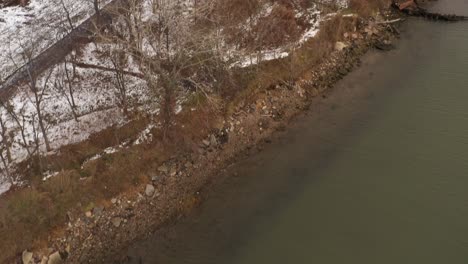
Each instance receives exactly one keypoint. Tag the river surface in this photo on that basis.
(375, 173)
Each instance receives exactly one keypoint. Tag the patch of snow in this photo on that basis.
(314, 17)
(4, 187)
(47, 175)
(145, 136)
(107, 151)
(37, 26)
(314, 22)
(342, 4)
(266, 55)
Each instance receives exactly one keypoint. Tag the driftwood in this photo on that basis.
(103, 68)
(411, 8)
(389, 21)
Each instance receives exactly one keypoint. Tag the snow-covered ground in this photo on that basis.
(37, 25)
(96, 99)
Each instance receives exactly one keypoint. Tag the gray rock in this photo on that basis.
(206, 143)
(339, 46)
(149, 191)
(44, 260)
(213, 140)
(163, 169)
(55, 258)
(140, 197)
(384, 46)
(173, 172)
(155, 178)
(188, 164)
(116, 221)
(343, 71)
(97, 211)
(263, 123)
(27, 257)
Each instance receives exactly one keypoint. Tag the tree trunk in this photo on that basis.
(167, 107)
(43, 130)
(7, 170)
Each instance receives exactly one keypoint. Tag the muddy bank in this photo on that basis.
(413, 8)
(100, 236)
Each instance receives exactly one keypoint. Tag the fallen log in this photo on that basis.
(389, 21)
(103, 68)
(411, 8)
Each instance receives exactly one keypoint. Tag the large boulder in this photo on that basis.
(163, 169)
(116, 221)
(55, 258)
(149, 190)
(339, 46)
(384, 45)
(44, 260)
(27, 257)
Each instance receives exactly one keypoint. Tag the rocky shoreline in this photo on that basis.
(99, 235)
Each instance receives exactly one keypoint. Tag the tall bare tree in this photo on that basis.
(119, 61)
(37, 99)
(64, 85)
(96, 6)
(20, 119)
(166, 45)
(29, 49)
(5, 148)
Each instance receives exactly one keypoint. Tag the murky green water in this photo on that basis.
(376, 173)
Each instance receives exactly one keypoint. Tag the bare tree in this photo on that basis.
(5, 149)
(6, 142)
(64, 84)
(35, 133)
(165, 44)
(28, 53)
(96, 6)
(67, 15)
(28, 50)
(37, 100)
(118, 59)
(20, 118)
(6, 167)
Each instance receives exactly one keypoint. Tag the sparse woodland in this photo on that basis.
(171, 50)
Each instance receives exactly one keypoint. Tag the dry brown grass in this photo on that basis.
(28, 216)
(366, 8)
(288, 70)
(277, 29)
(243, 29)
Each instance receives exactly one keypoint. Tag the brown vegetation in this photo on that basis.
(366, 8)
(5, 3)
(27, 216)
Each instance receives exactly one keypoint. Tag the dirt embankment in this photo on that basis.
(101, 236)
